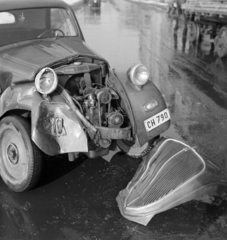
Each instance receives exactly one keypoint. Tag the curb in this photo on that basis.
(72, 2)
(151, 2)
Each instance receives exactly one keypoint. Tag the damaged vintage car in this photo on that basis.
(60, 97)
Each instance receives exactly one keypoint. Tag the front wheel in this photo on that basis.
(221, 42)
(20, 159)
(194, 31)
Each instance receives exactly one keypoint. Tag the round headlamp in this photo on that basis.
(138, 74)
(46, 81)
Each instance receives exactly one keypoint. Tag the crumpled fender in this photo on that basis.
(17, 97)
(55, 127)
(134, 100)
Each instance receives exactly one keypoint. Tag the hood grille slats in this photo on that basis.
(175, 172)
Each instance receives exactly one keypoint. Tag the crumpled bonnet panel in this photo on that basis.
(171, 174)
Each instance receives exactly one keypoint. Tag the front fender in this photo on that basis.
(134, 101)
(55, 127)
(17, 97)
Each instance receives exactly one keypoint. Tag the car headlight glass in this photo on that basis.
(46, 81)
(138, 74)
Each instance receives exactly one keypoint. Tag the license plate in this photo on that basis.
(157, 120)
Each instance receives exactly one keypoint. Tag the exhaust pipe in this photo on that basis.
(171, 174)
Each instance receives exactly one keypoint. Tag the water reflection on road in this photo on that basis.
(77, 200)
(190, 76)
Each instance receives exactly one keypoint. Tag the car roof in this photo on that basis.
(22, 4)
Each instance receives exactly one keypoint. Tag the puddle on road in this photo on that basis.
(15, 218)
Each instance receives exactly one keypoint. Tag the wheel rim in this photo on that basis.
(193, 31)
(13, 155)
(221, 42)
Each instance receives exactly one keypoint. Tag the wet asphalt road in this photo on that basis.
(77, 200)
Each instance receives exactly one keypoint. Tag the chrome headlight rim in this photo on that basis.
(132, 73)
(38, 77)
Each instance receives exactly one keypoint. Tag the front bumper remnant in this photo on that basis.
(171, 174)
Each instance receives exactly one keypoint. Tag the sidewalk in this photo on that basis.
(156, 3)
(71, 2)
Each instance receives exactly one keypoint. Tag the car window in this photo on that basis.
(28, 24)
(6, 18)
(25, 19)
(60, 19)
(31, 18)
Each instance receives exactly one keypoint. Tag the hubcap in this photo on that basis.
(221, 43)
(13, 154)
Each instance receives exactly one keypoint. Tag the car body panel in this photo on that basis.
(135, 108)
(171, 174)
(17, 97)
(19, 60)
(55, 127)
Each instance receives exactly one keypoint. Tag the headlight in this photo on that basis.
(138, 74)
(46, 81)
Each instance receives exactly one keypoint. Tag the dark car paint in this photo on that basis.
(134, 107)
(21, 58)
(18, 66)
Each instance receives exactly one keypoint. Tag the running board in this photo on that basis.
(171, 174)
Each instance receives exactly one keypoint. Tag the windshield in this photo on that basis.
(27, 24)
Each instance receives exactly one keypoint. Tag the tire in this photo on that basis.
(221, 42)
(20, 158)
(133, 151)
(193, 31)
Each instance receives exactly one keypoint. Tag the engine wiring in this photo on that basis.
(78, 104)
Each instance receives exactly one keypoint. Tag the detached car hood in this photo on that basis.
(22, 61)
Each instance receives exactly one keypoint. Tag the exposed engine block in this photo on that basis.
(98, 103)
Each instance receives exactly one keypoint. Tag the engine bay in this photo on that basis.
(86, 82)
